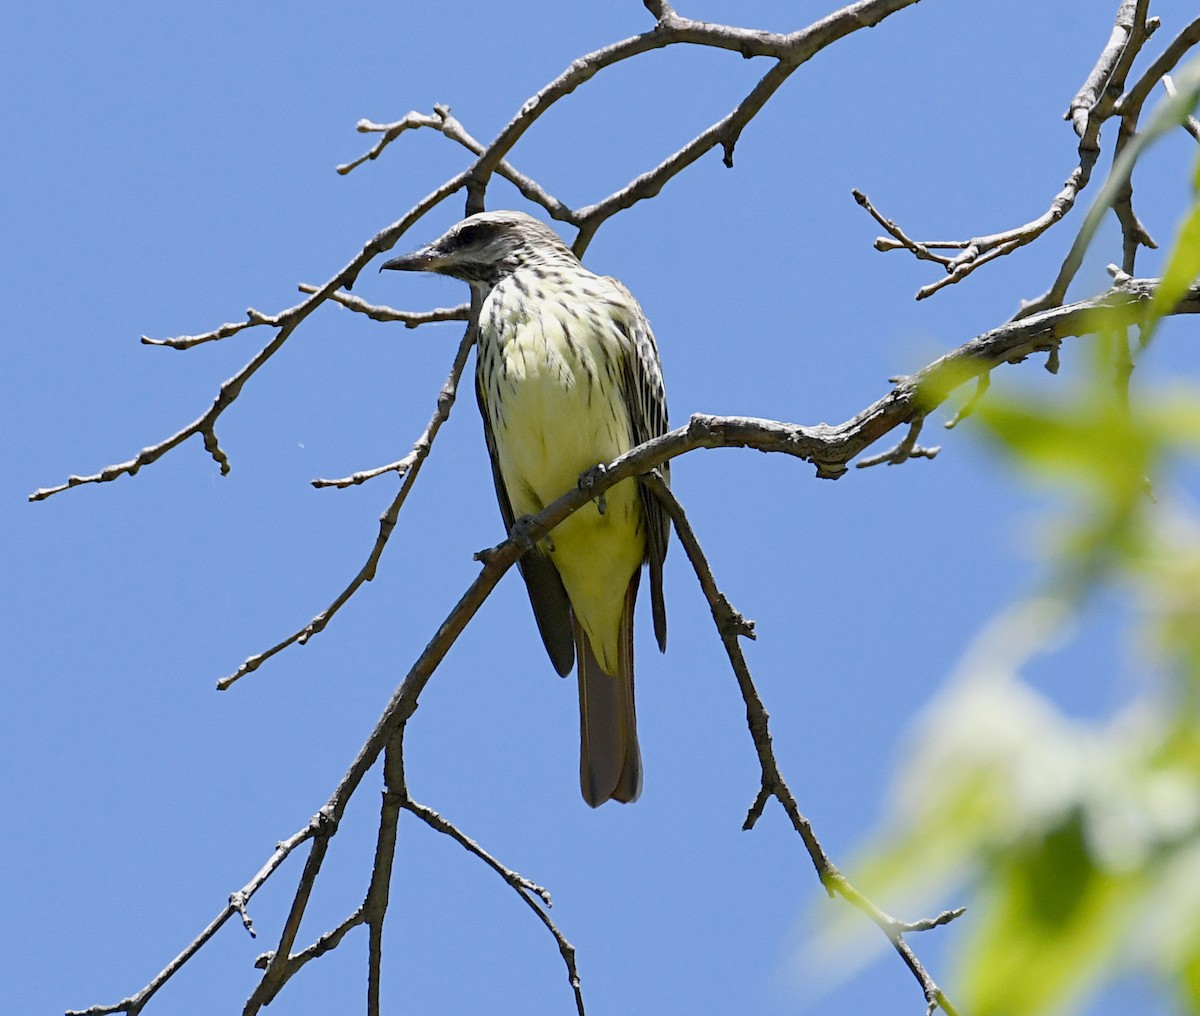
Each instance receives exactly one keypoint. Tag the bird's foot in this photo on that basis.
(589, 479)
(522, 530)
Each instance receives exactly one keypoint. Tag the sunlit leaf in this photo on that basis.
(1051, 918)
(1182, 267)
(1183, 260)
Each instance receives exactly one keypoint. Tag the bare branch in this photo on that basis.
(371, 912)
(399, 467)
(982, 384)
(408, 318)
(895, 931)
(929, 923)
(326, 943)
(724, 133)
(253, 318)
(375, 905)
(204, 425)
(1107, 78)
(389, 131)
(444, 123)
(923, 251)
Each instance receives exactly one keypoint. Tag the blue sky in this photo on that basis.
(169, 166)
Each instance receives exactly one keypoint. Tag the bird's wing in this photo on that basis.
(551, 606)
(646, 399)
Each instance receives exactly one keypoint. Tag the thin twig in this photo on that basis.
(982, 384)
(730, 626)
(408, 468)
(1132, 101)
(522, 886)
(451, 128)
(317, 827)
(923, 251)
(905, 450)
(408, 318)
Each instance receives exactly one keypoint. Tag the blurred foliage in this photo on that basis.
(1077, 843)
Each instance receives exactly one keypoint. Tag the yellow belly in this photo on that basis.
(556, 411)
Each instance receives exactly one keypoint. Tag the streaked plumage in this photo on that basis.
(568, 377)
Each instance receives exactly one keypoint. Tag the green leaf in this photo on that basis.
(1182, 268)
(1053, 918)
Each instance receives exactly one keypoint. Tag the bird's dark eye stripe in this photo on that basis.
(468, 234)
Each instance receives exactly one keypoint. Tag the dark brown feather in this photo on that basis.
(610, 761)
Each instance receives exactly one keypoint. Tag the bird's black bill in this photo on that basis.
(418, 261)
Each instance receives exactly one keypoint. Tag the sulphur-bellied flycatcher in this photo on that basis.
(568, 378)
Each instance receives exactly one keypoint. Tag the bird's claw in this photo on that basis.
(522, 532)
(589, 479)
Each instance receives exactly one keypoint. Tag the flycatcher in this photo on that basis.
(568, 378)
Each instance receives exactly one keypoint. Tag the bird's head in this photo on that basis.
(484, 248)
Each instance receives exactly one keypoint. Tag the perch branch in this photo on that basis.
(829, 448)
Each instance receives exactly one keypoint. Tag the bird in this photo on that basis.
(568, 378)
